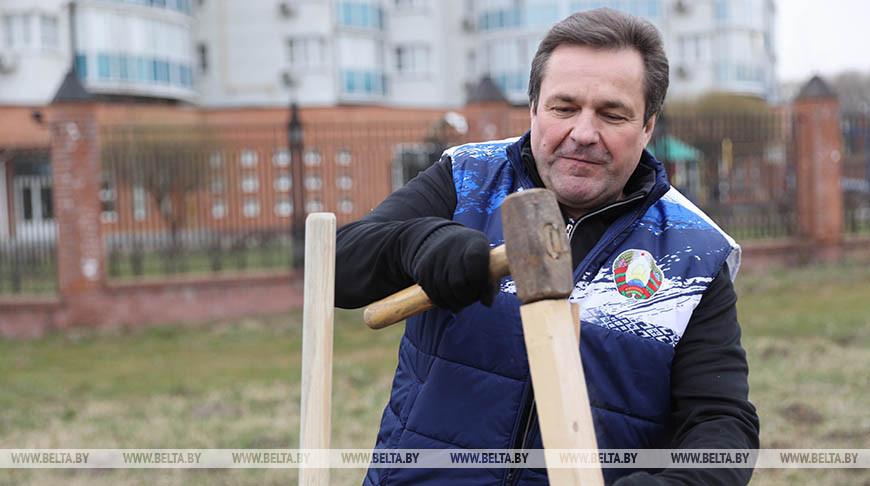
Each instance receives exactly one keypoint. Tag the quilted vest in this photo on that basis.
(462, 379)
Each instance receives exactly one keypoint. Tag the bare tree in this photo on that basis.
(853, 88)
(168, 163)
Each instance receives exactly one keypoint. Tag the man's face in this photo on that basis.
(587, 128)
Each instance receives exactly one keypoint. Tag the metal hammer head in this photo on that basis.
(537, 247)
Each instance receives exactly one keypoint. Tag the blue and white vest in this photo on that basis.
(462, 379)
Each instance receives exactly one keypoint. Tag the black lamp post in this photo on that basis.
(294, 142)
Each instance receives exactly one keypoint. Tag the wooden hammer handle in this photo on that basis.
(405, 303)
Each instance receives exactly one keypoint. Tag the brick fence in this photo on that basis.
(85, 298)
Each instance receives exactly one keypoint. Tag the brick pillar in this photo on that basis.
(818, 168)
(487, 112)
(75, 165)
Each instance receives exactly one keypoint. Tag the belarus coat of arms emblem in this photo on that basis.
(636, 274)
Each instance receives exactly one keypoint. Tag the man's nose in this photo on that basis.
(585, 129)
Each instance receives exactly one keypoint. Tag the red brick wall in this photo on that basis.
(163, 301)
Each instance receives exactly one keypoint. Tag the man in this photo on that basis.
(660, 340)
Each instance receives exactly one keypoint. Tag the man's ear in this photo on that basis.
(648, 129)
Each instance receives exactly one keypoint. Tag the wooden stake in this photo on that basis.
(317, 331)
(560, 386)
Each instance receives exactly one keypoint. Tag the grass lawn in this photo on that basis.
(235, 384)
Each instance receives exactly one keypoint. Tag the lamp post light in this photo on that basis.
(294, 142)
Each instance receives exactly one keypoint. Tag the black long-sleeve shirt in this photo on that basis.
(709, 389)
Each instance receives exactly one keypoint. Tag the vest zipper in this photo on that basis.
(573, 227)
(513, 474)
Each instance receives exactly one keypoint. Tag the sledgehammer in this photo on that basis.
(413, 300)
(537, 253)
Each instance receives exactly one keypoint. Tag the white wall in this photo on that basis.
(248, 54)
(38, 68)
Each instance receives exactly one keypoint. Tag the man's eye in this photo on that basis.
(612, 117)
(562, 109)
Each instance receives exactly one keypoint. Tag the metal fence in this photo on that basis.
(224, 198)
(737, 168)
(28, 254)
(207, 199)
(856, 172)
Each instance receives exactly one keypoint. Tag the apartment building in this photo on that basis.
(430, 53)
(124, 48)
(426, 53)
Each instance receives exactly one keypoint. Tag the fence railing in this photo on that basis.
(196, 199)
(737, 168)
(856, 172)
(28, 249)
(223, 198)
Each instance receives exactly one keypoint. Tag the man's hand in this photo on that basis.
(452, 266)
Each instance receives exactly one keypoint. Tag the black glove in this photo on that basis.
(452, 266)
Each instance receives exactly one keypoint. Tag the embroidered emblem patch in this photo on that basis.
(636, 274)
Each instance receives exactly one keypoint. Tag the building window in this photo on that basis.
(218, 209)
(216, 159)
(122, 68)
(251, 207)
(281, 157)
(363, 82)
(542, 14)
(8, 35)
(412, 59)
(306, 52)
(47, 206)
(313, 182)
(108, 204)
(161, 71)
(48, 31)
(140, 203)
(411, 159)
(344, 182)
(312, 157)
(314, 205)
(248, 158)
(500, 19)
(218, 184)
(284, 182)
(284, 207)
(17, 30)
(103, 68)
(721, 9)
(202, 54)
(361, 14)
(511, 81)
(82, 66)
(345, 206)
(343, 158)
(250, 183)
(144, 70)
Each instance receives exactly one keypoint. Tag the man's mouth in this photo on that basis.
(583, 160)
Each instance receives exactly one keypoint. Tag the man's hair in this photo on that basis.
(605, 28)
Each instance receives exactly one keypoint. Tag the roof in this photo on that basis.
(486, 90)
(816, 88)
(71, 90)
